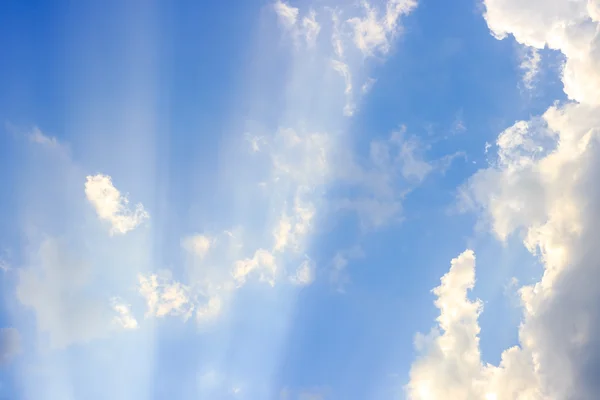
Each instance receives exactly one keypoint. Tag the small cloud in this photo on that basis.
(165, 297)
(287, 15)
(305, 274)
(487, 147)
(255, 141)
(458, 126)
(111, 206)
(124, 318)
(37, 136)
(368, 85)
(198, 245)
(263, 262)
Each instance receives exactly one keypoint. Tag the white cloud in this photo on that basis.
(287, 15)
(198, 245)
(262, 262)
(124, 317)
(567, 26)
(336, 35)
(450, 365)
(10, 344)
(372, 33)
(305, 274)
(165, 297)
(343, 69)
(113, 207)
(541, 186)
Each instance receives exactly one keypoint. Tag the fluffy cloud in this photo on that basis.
(113, 207)
(450, 363)
(569, 26)
(10, 344)
(541, 186)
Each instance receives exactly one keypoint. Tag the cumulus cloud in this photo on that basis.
(542, 186)
(10, 344)
(450, 366)
(113, 207)
(570, 27)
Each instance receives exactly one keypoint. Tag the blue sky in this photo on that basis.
(302, 199)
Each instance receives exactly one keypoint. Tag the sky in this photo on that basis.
(300, 200)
